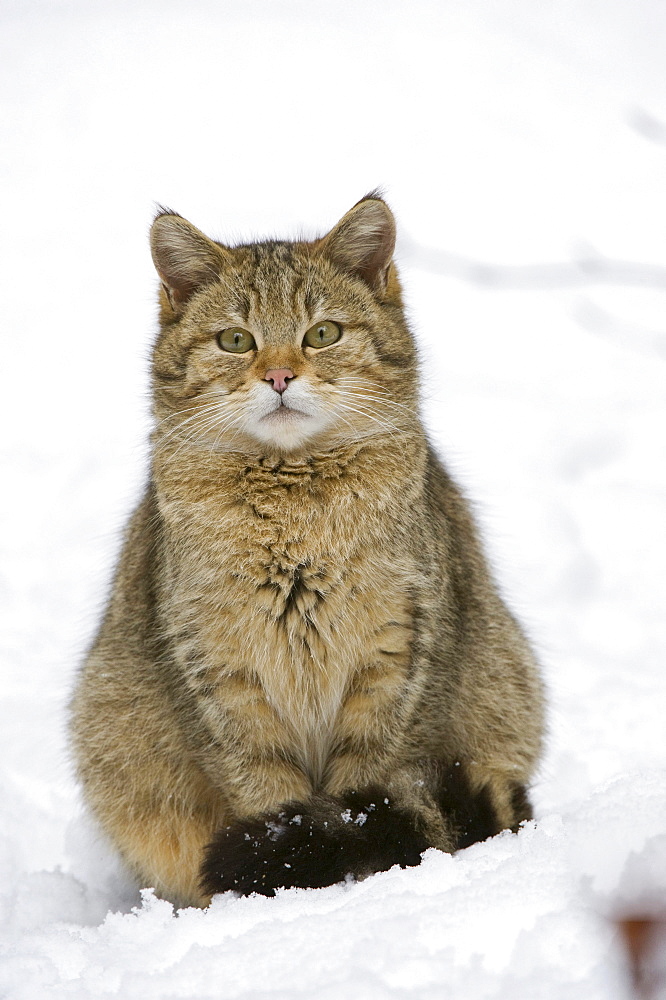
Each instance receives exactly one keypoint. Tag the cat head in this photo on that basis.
(279, 346)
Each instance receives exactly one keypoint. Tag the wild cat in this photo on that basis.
(305, 671)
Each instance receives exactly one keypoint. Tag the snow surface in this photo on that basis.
(523, 148)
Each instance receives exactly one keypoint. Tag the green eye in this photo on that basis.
(236, 340)
(322, 334)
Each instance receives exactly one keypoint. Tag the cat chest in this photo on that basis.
(300, 625)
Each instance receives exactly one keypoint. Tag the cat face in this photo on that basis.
(279, 346)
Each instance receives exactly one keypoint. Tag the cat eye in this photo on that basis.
(322, 334)
(236, 340)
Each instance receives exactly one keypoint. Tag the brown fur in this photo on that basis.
(300, 608)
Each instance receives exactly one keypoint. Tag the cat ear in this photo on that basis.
(184, 258)
(363, 241)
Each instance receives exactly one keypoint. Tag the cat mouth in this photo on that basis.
(283, 413)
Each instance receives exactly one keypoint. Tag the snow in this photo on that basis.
(522, 147)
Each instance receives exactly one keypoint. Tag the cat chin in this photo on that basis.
(288, 429)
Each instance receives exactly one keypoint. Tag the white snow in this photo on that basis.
(523, 148)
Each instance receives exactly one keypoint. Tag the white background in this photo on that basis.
(522, 147)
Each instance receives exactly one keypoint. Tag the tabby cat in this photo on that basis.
(305, 672)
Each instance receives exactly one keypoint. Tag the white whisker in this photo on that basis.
(371, 391)
(200, 413)
(379, 400)
(390, 427)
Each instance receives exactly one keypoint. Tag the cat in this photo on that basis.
(305, 672)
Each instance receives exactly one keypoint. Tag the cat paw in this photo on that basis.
(283, 850)
(311, 845)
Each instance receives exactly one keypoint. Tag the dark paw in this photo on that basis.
(275, 851)
(313, 844)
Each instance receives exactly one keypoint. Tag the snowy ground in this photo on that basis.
(523, 148)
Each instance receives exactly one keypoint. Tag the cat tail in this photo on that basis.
(313, 844)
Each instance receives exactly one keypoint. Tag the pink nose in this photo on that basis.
(279, 377)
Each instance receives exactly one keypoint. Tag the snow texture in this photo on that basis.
(523, 148)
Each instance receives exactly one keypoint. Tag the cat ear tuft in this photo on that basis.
(363, 241)
(184, 258)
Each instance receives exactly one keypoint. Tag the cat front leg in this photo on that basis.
(370, 815)
(247, 746)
